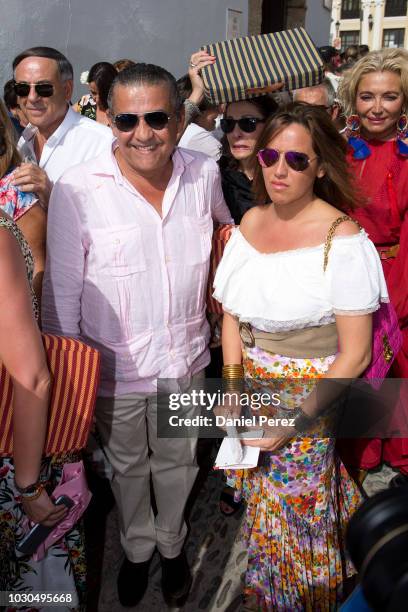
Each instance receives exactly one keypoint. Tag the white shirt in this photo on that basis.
(290, 290)
(75, 140)
(127, 281)
(197, 138)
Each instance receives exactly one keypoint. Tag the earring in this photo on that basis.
(361, 150)
(402, 133)
(353, 125)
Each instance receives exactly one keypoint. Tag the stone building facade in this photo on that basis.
(376, 23)
(293, 11)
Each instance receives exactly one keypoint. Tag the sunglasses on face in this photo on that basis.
(246, 124)
(44, 90)
(126, 122)
(295, 160)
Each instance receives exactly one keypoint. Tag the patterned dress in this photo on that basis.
(299, 501)
(87, 107)
(63, 568)
(13, 201)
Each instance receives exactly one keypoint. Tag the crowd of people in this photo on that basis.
(107, 211)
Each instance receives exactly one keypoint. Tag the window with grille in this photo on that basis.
(395, 8)
(394, 38)
(349, 38)
(350, 9)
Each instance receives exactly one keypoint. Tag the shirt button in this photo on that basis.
(167, 259)
(116, 241)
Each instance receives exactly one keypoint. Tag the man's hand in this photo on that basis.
(31, 178)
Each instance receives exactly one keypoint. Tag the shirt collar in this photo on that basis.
(69, 120)
(108, 165)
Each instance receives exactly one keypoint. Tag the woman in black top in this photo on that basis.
(242, 124)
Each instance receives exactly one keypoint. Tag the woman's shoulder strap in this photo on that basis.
(330, 236)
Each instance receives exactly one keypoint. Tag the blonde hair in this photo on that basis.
(9, 156)
(386, 60)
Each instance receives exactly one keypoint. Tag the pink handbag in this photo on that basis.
(387, 336)
(73, 484)
(387, 342)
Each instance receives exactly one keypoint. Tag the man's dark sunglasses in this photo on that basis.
(126, 122)
(44, 90)
(246, 124)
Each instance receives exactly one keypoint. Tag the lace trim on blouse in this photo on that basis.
(317, 321)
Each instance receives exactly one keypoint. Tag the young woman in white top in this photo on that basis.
(276, 291)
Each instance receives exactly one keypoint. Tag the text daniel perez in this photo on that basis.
(224, 401)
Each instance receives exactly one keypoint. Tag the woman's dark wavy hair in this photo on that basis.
(9, 156)
(337, 186)
(266, 105)
(102, 74)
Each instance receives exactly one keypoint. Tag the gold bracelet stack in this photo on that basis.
(233, 371)
(233, 377)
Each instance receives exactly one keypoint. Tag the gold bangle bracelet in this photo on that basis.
(235, 370)
(35, 495)
(233, 384)
(233, 374)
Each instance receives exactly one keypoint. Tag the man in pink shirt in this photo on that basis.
(129, 241)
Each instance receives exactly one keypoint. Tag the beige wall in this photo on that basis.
(163, 32)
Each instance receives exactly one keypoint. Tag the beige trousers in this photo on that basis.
(127, 426)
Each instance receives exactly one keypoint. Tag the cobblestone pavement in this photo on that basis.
(217, 560)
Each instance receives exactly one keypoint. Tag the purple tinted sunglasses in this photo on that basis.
(295, 160)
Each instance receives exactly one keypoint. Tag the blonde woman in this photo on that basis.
(374, 95)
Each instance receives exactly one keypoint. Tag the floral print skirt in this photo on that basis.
(299, 501)
(63, 569)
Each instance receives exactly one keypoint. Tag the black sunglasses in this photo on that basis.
(295, 160)
(44, 90)
(126, 122)
(246, 124)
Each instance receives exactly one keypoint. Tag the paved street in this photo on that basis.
(218, 561)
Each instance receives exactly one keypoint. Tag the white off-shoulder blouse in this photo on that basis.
(290, 290)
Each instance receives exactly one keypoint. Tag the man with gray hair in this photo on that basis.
(56, 137)
(129, 242)
(319, 95)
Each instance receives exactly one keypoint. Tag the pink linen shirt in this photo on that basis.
(127, 281)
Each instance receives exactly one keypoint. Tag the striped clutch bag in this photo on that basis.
(74, 368)
(220, 239)
(248, 66)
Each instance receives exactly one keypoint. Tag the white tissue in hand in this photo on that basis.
(235, 450)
